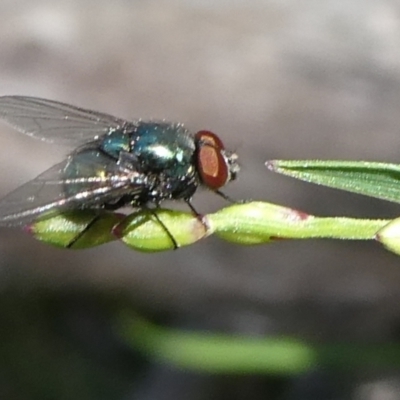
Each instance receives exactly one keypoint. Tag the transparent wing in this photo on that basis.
(53, 121)
(52, 191)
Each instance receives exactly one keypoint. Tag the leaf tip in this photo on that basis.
(272, 165)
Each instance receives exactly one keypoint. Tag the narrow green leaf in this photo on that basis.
(374, 179)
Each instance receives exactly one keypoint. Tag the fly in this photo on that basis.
(114, 163)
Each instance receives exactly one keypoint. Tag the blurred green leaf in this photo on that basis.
(216, 353)
(240, 354)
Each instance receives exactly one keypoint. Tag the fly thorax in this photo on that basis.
(166, 151)
(115, 142)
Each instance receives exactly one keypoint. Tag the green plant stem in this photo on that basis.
(338, 228)
(260, 222)
(250, 223)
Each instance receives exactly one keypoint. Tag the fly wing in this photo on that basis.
(53, 121)
(52, 191)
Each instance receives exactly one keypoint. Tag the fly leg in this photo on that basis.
(199, 216)
(167, 231)
(80, 234)
(229, 199)
(225, 197)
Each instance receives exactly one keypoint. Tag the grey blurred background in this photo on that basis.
(275, 79)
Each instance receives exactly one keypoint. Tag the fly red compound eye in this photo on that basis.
(211, 161)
